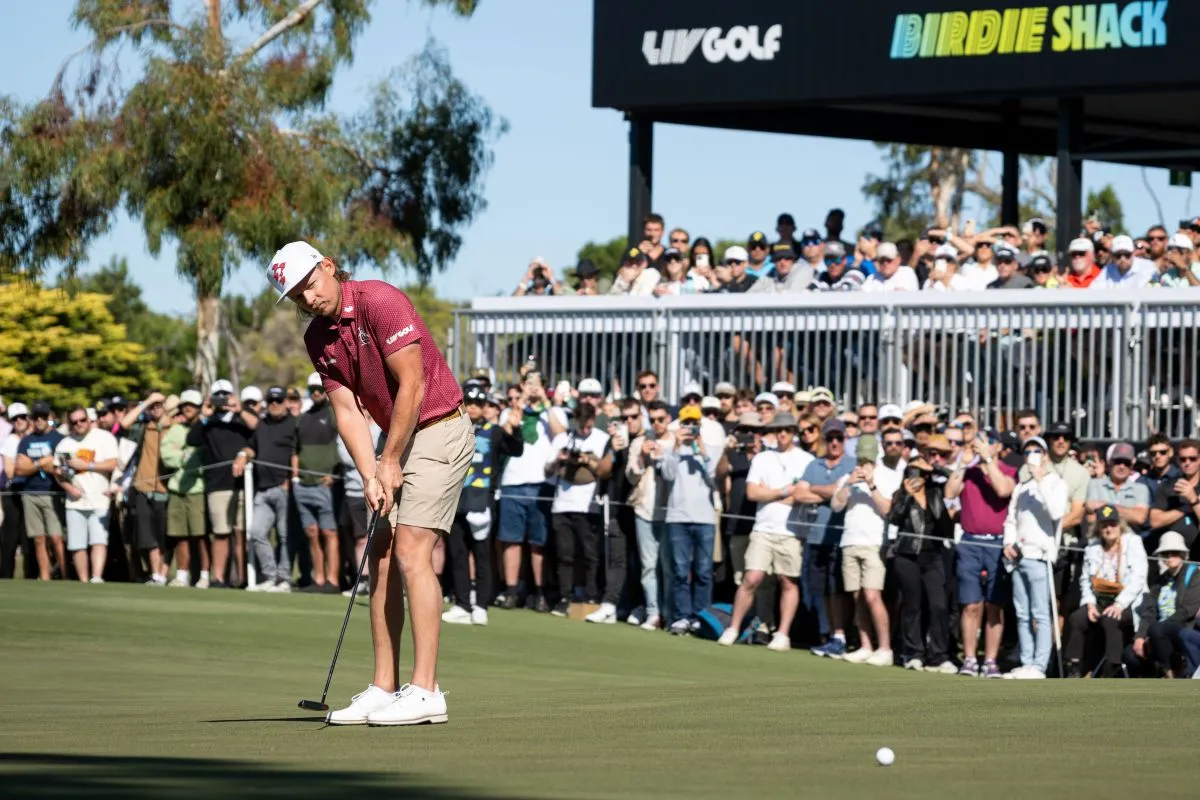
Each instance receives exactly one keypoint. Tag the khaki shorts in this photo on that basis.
(185, 515)
(41, 517)
(226, 511)
(434, 466)
(862, 568)
(774, 554)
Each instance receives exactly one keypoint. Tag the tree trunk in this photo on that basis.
(208, 342)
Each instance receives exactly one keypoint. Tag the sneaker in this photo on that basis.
(694, 626)
(969, 668)
(479, 616)
(332, 588)
(261, 587)
(945, 668)
(203, 583)
(540, 606)
(680, 627)
(180, 581)
(361, 705)
(729, 636)
(501, 600)
(780, 643)
(363, 590)
(457, 615)
(95, 579)
(412, 706)
(637, 616)
(281, 587)
(1074, 670)
(1030, 674)
(652, 624)
(834, 648)
(560, 608)
(606, 614)
(914, 664)
(214, 585)
(313, 588)
(881, 658)
(156, 580)
(990, 670)
(859, 656)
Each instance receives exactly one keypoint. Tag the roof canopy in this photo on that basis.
(968, 73)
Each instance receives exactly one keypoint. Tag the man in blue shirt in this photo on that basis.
(35, 463)
(822, 573)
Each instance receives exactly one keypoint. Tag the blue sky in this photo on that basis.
(560, 173)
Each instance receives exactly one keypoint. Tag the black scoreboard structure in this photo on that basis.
(1116, 81)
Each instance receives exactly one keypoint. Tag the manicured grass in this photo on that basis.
(128, 691)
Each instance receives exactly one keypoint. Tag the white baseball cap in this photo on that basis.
(888, 251)
(590, 386)
(17, 410)
(890, 411)
(1124, 244)
(290, 265)
(1082, 246)
(1182, 241)
(253, 394)
(190, 397)
(710, 403)
(315, 382)
(735, 253)
(784, 387)
(767, 397)
(221, 386)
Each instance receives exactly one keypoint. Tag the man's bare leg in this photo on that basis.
(414, 556)
(387, 610)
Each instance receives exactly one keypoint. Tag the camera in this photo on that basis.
(911, 472)
(219, 401)
(744, 440)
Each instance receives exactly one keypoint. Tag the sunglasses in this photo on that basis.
(865, 417)
(660, 420)
(79, 421)
(1122, 255)
(19, 416)
(1123, 462)
(1163, 452)
(1157, 238)
(808, 429)
(936, 454)
(678, 240)
(42, 417)
(1188, 459)
(729, 262)
(647, 385)
(1033, 451)
(1029, 426)
(835, 437)
(955, 442)
(893, 443)
(984, 244)
(758, 247)
(275, 401)
(631, 417)
(765, 407)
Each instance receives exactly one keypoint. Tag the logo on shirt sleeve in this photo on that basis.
(400, 334)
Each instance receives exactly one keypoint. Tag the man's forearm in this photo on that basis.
(405, 414)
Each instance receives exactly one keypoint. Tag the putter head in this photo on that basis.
(312, 705)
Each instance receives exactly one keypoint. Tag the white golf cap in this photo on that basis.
(690, 389)
(1182, 241)
(1124, 244)
(253, 394)
(735, 253)
(221, 386)
(766, 397)
(315, 382)
(725, 387)
(17, 410)
(1082, 246)
(890, 411)
(946, 251)
(290, 265)
(590, 386)
(783, 386)
(710, 402)
(887, 251)
(190, 397)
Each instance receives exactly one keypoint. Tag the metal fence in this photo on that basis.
(1115, 364)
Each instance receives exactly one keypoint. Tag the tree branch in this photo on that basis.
(108, 34)
(337, 144)
(298, 15)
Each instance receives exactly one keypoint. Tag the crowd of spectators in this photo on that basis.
(940, 260)
(880, 535)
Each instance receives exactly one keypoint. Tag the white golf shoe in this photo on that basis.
(361, 706)
(860, 656)
(479, 615)
(412, 706)
(780, 643)
(606, 613)
(457, 615)
(728, 637)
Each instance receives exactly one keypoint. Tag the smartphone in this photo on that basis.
(702, 259)
(1033, 459)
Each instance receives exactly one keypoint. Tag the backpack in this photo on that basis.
(716, 618)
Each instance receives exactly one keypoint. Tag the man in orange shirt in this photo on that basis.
(1083, 269)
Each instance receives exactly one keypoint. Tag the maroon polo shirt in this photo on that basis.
(378, 319)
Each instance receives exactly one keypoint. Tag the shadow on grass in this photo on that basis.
(40, 775)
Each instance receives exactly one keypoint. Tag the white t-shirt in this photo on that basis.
(569, 497)
(864, 524)
(8, 448)
(976, 275)
(776, 470)
(902, 280)
(96, 446)
(530, 466)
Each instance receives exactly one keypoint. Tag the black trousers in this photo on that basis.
(620, 530)
(459, 541)
(922, 579)
(576, 533)
(1081, 634)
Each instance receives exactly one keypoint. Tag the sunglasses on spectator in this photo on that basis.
(808, 429)
(725, 396)
(864, 417)
(590, 394)
(729, 262)
(40, 416)
(1122, 254)
(660, 420)
(1056, 436)
(1189, 459)
(936, 454)
(758, 246)
(679, 240)
(631, 416)
(922, 427)
(275, 401)
(984, 244)
(1028, 426)
(1160, 452)
(765, 407)
(1158, 238)
(955, 442)
(1033, 451)
(647, 385)
(893, 443)
(835, 437)
(78, 420)
(1122, 462)
(19, 416)
(711, 412)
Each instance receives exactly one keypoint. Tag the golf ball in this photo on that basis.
(885, 756)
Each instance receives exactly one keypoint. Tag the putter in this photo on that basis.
(313, 705)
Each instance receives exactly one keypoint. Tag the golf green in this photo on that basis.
(129, 691)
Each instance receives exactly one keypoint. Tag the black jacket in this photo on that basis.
(933, 520)
(221, 437)
(1187, 599)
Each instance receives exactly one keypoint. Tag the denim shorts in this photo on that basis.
(523, 512)
(315, 504)
(975, 554)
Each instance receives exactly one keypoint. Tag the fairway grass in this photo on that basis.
(129, 691)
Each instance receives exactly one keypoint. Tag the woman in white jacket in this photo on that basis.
(1112, 585)
(1031, 535)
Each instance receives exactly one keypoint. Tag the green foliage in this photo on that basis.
(67, 349)
(168, 339)
(1106, 205)
(605, 255)
(902, 197)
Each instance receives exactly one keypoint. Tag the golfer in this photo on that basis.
(375, 356)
